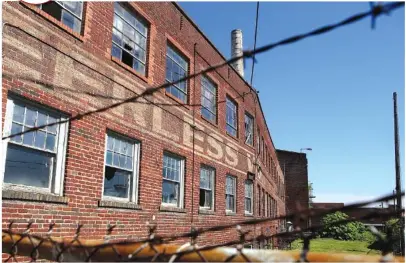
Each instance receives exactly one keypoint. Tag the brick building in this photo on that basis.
(294, 167)
(157, 158)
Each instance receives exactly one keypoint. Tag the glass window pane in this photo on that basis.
(118, 9)
(16, 128)
(142, 28)
(110, 143)
(18, 113)
(52, 128)
(117, 37)
(28, 138)
(40, 139)
(129, 17)
(122, 161)
(116, 182)
(28, 167)
(109, 158)
(74, 6)
(30, 118)
(68, 19)
(116, 51)
(50, 142)
(129, 163)
(128, 31)
(170, 192)
(42, 119)
(117, 144)
(116, 161)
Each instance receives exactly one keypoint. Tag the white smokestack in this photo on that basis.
(236, 50)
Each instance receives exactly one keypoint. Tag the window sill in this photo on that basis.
(168, 208)
(209, 121)
(53, 20)
(130, 69)
(177, 100)
(206, 211)
(116, 204)
(34, 196)
(248, 215)
(232, 136)
(230, 213)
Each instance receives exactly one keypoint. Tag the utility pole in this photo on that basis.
(397, 162)
(397, 167)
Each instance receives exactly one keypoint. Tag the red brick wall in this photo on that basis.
(294, 165)
(42, 59)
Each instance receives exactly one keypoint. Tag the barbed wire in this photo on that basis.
(158, 247)
(375, 11)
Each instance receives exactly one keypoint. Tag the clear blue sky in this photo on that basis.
(332, 92)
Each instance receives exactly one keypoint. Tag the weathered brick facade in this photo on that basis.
(294, 167)
(49, 64)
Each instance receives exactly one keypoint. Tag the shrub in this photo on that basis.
(349, 231)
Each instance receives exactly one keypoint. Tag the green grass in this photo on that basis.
(336, 246)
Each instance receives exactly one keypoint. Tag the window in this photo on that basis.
(176, 68)
(35, 159)
(266, 156)
(130, 34)
(249, 129)
(263, 202)
(68, 12)
(262, 148)
(121, 168)
(249, 196)
(207, 187)
(230, 193)
(259, 200)
(172, 184)
(231, 117)
(209, 100)
(258, 142)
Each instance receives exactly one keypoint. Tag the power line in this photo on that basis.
(374, 12)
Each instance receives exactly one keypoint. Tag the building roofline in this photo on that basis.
(223, 57)
(280, 150)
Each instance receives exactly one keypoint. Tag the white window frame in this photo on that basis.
(214, 103)
(133, 196)
(61, 144)
(235, 111)
(251, 133)
(252, 197)
(181, 180)
(176, 86)
(213, 178)
(235, 193)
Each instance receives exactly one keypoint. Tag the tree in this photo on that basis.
(349, 231)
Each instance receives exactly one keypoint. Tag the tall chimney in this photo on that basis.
(236, 50)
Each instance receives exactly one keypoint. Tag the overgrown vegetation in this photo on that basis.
(350, 231)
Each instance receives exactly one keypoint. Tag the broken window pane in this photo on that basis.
(69, 13)
(116, 182)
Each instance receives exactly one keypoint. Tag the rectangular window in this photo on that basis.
(130, 33)
(207, 187)
(120, 169)
(68, 12)
(262, 148)
(266, 155)
(231, 117)
(259, 200)
(230, 193)
(35, 159)
(249, 196)
(209, 100)
(258, 142)
(172, 184)
(249, 129)
(176, 68)
(263, 202)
